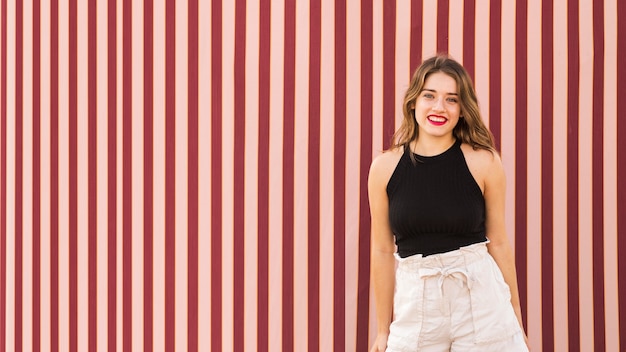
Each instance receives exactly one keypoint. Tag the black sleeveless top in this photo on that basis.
(435, 205)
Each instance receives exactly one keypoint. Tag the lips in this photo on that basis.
(437, 120)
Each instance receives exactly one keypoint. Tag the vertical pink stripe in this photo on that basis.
(158, 163)
(429, 34)
(559, 64)
(327, 325)
(276, 190)
(181, 188)
(27, 177)
(300, 152)
(43, 183)
(536, 146)
(204, 176)
(226, 174)
(101, 139)
(585, 176)
(138, 209)
(455, 30)
(353, 119)
(611, 281)
(250, 248)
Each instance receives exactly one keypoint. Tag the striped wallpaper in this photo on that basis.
(191, 175)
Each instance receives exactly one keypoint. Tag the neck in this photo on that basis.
(426, 146)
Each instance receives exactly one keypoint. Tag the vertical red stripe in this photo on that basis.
(239, 176)
(54, 172)
(263, 177)
(469, 35)
(598, 177)
(111, 175)
(192, 179)
(313, 175)
(621, 171)
(93, 176)
(521, 166)
(367, 69)
(19, 116)
(389, 71)
(127, 176)
(547, 161)
(573, 68)
(416, 35)
(443, 13)
(495, 71)
(73, 173)
(148, 97)
(36, 177)
(289, 88)
(3, 177)
(339, 166)
(170, 174)
(216, 175)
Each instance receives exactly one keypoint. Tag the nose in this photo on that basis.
(438, 105)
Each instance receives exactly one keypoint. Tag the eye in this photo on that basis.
(452, 100)
(428, 95)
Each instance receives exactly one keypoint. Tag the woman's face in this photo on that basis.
(438, 107)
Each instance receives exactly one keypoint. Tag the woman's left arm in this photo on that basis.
(499, 246)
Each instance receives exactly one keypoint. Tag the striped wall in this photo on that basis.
(191, 175)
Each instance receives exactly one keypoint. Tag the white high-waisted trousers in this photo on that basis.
(453, 301)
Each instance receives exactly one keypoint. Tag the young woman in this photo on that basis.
(437, 205)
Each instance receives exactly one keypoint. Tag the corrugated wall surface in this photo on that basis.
(191, 175)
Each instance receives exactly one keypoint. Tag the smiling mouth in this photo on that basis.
(437, 120)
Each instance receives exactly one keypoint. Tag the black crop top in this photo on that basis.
(435, 204)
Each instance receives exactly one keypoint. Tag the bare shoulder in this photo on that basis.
(483, 164)
(383, 165)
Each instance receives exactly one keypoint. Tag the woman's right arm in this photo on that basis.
(382, 261)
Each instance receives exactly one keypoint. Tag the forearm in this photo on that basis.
(383, 281)
(503, 256)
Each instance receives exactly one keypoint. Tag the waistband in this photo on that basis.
(460, 257)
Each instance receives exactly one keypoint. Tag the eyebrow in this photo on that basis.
(434, 91)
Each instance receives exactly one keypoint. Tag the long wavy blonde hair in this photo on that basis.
(470, 129)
